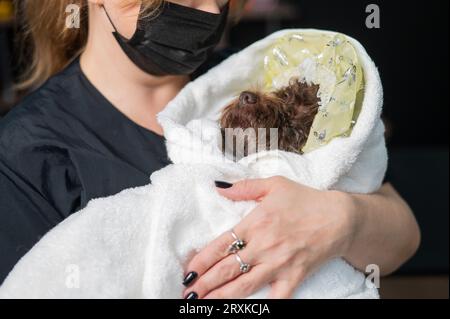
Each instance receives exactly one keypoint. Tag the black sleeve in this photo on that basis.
(386, 178)
(38, 191)
(388, 175)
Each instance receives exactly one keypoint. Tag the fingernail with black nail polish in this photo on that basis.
(190, 277)
(192, 295)
(223, 185)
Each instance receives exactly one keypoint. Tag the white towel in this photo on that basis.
(135, 244)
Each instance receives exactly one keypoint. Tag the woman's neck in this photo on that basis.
(137, 95)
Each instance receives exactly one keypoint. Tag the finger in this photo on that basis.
(209, 256)
(221, 273)
(251, 189)
(282, 289)
(244, 285)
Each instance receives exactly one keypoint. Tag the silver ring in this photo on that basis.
(243, 267)
(237, 245)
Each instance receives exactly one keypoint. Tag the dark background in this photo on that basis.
(411, 51)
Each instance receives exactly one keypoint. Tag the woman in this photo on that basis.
(91, 131)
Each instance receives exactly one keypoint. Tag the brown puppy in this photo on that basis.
(291, 110)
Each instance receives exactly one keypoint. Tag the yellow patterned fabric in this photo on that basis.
(330, 61)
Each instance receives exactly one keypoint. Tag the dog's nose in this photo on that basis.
(248, 98)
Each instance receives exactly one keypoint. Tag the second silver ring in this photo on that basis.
(243, 267)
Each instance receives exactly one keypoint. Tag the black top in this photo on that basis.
(64, 145)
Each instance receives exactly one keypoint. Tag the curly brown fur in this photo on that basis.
(291, 110)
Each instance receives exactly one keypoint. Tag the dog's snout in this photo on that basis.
(248, 98)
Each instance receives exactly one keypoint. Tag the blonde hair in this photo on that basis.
(53, 45)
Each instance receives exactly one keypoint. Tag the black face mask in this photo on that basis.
(175, 42)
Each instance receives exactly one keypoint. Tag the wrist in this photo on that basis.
(347, 207)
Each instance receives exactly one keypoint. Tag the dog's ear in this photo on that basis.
(301, 107)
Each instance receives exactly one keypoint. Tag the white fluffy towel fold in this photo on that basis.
(135, 244)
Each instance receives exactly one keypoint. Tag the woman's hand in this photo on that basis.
(294, 230)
